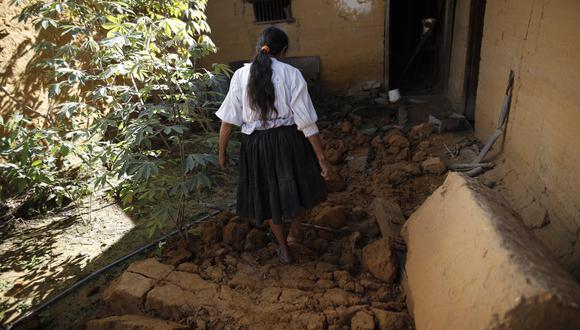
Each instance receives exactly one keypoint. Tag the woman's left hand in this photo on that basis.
(223, 160)
(326, 169)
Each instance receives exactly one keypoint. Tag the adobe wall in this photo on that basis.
(540, 165)
(348, 35)
(455, 87)
(471, 264)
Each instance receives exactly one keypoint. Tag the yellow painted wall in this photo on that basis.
(348, 35)
(540, 41)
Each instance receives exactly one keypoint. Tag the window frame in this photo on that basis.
(289, 19)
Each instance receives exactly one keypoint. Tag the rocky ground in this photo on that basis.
(348, 267)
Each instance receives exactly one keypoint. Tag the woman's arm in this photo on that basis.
(317, 146)
(225, 132)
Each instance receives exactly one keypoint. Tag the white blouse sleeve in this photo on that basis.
(231, 109)
(304, 113)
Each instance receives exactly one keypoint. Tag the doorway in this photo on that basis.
(420, 33)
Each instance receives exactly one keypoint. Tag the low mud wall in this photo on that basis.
(472, 265)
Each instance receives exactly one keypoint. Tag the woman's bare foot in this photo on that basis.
(294, 232)
(284, 255)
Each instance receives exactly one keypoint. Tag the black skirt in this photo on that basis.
(279, 174)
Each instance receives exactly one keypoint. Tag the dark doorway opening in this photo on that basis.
(420, 43)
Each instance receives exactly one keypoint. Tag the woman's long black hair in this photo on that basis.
(261, 91)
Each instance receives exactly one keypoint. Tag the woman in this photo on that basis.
(282, 163)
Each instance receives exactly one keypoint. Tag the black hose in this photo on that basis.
(109, 266)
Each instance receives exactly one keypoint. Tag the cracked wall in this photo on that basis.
(539, 170)
(347, 35)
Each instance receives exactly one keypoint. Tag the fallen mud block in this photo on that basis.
(471, 264)
(131, 322)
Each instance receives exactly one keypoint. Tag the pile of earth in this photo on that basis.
(347, 269)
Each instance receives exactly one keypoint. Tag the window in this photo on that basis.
(269, 11)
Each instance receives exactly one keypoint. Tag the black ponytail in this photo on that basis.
(261, 92)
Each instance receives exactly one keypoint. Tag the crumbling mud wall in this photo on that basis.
(540, 164)
(456, 85)
(19, 77)
(347, 35)
(479, 268)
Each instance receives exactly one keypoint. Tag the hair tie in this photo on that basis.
(266, 49)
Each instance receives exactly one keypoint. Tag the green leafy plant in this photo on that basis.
(128, 86)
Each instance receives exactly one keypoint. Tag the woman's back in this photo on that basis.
(292, 102)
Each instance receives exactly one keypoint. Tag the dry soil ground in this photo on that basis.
(228, 277)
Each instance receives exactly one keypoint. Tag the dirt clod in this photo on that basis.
(380, 261)
(420, 132)
(332, 216)
(362, 320)
(346, 126)
(388, 320)
(256, 239)
(433, 165)
(234, 233)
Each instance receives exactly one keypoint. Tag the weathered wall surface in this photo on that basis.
(18, 76)
(348, 35)
(480, 268)
(540, 41)
(455, 87)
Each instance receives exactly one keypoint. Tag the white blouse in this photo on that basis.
(292, 101)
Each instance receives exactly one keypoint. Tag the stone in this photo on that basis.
(433, 165)
(256, 239)
(210, 233)
(177, 256)
(338, 297)
(377, 142)
(133, 322)
(312, 321)
(335, 183)
(335, 152)
(404, 154)
(358, 159)
(402, 171)
(388, 216)
(362, 320)
(392, 320)
(419, 156)
(189, 267)
(125, 294)
(150, 268)
(346, 126)
(360, 140)
(332, 216)
(368, 228)
(379, 260)
(397, 140)
(423, 145)
(469, 249)
(421, 131)
(234, 233)
(342, 278)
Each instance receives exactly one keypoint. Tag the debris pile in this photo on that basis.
(347, 265)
